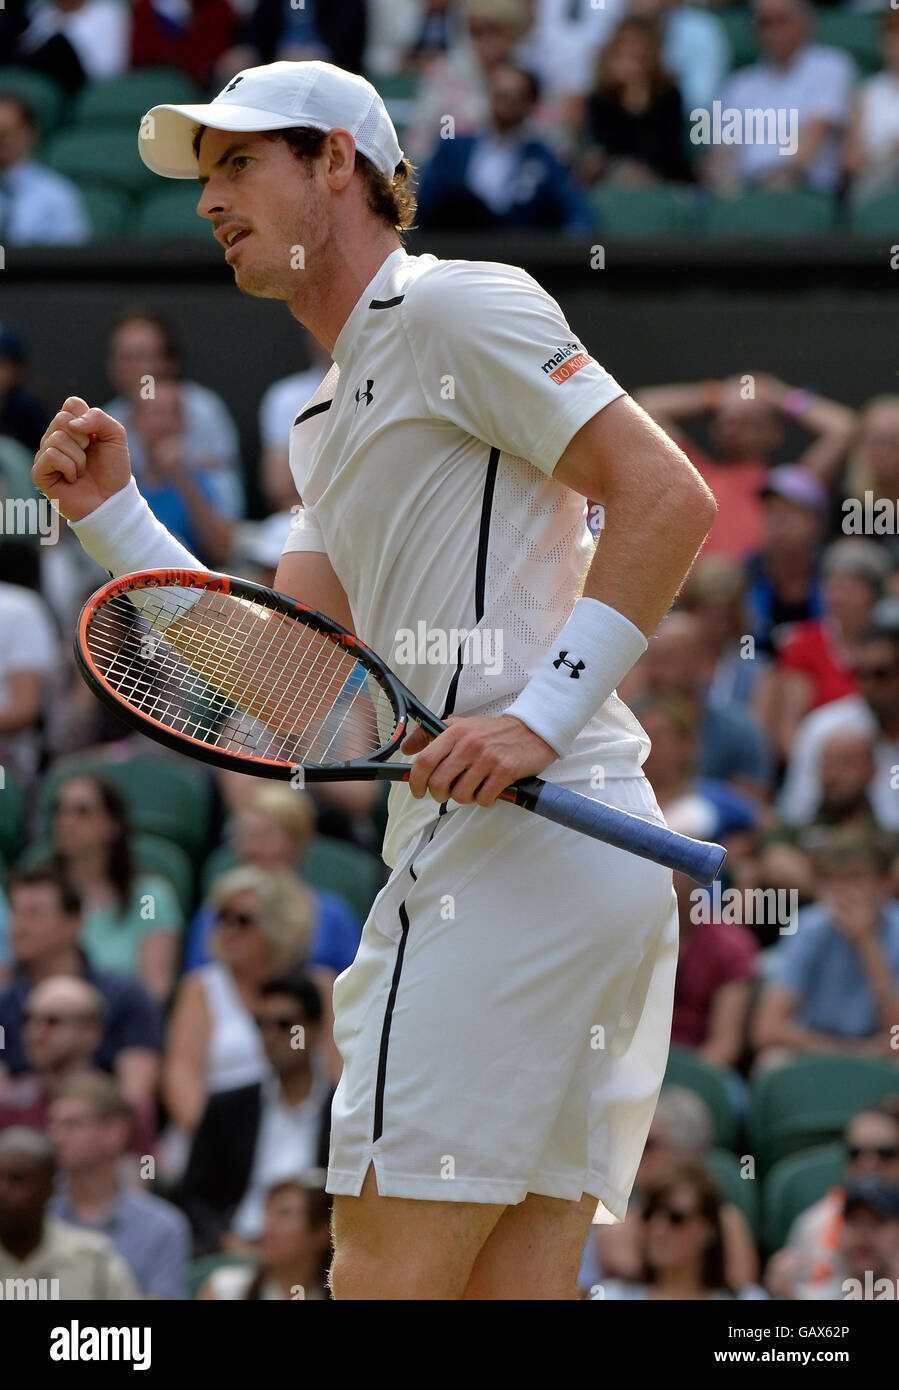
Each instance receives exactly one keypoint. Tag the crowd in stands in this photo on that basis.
(170, 936)
(519, 114)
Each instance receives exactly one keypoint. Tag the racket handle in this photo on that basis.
(696, 858)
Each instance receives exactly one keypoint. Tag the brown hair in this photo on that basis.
(691, 1173)
(390, 200)
(659, 80)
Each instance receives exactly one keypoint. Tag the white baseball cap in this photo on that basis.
(274, 97)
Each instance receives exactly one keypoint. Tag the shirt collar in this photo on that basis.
(353, 324)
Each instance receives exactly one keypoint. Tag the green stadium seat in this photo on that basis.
(398, 94)
(109, 210)
(171, 213)
(809, 1102)
(123, 101)
(854, 31)
(167, 798)
(12, 816)
(199, 1270)
(709, 1083)
(644, 212)
(741, 1192)
(796, 1183)
(333, 866)
(108, 157)
(764, 215)
(45, 97)
(737, 21)
(878, 216)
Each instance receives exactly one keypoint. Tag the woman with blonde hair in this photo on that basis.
(262, 924)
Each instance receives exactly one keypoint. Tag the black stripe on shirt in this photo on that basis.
(387, 303)
(480, 573)
(311, 410)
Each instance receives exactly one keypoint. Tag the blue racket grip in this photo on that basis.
(697, 858)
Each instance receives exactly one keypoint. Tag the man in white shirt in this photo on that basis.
(809, 90)
(503, 1046)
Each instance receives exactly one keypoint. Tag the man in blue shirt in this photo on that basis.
(835, 986)
(38, 207)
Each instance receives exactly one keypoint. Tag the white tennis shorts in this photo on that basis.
(505, 1025)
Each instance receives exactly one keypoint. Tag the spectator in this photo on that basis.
(192, 36)
(681, 1130)
(746, 421)
(682, 1242)
(634, 128)
(810, 1265)
(715, 595)
(436, 32)
(784, 584)
(294, 1250)
(457, 82)
(22, 416)
(276, 30)
(37, 1246)
(847, 774)
(713, 985)
(271, 831)
(77, 41)
(28, 654)
(795, 76)
(45, 923)
(731, 745)
(875, 469)
(503, 177)
(871, 156)
(869, 1244)
(144, 351)
(282, 403)
(180, 484)
(873, 712)
(561, 48)
(62, 1029)
(262, 926)
(703, 807)
(90, 1125)
(130, 920)
(835, 985)
(252, 1136)
(813, 661)
(695, 49)
(38, 207)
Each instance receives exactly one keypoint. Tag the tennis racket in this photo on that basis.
(242, 677)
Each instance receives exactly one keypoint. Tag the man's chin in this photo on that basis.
(258, 282)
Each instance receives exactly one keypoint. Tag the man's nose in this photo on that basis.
(211, 201)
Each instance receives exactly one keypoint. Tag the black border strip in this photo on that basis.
(387, 303)
(480, 574)
(313, 410)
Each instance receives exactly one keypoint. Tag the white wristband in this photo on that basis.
(593, 652)
(124, 536)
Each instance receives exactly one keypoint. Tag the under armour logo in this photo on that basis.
(365, 395)
(575, 667)
(232, 85)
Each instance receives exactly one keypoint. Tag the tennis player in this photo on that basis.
(505, 1025)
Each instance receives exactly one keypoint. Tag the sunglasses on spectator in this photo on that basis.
(54, 1020)
(226, 918)
(283, 1023)
(674, 1215)
(884, 1151)
(874, 673)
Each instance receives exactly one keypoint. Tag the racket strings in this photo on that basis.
(239, 676)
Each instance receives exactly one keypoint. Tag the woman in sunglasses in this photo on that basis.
(682, 1242)
(131, 920)
(262, 928)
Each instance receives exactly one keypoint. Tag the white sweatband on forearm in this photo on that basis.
(124, 536)
(594, 651)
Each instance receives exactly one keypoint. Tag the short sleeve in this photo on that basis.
(305, 533)
(495, 356)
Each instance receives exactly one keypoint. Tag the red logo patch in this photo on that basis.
(567, 369)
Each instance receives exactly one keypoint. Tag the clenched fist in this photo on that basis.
(82, 459)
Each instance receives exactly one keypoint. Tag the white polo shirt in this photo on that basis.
(425, 463)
